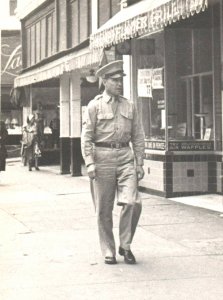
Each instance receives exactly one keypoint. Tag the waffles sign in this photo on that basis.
(11, 57)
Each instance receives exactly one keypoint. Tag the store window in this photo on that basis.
(150, 85)
(106, 10)
(40, 37)
(190, 112)
(12, 7)
(79, 21)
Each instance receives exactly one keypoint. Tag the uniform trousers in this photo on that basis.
(115, 175)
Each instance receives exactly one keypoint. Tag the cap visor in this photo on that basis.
(120, 75)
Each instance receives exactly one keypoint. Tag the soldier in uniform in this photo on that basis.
(113, 165)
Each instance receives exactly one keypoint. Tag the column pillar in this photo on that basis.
(65, 124)
(75, 121)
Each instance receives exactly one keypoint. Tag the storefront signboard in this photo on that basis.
(157, 79)
(145, 83)
(152, 19)
(149, 79)
(161, 104)
(11, 57)
(155, 145)
(191, 146)
(181, 145)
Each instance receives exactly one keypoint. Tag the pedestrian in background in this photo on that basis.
(55, 127)
(40, 120)
(110, 124)
(3, 151)
(30, 142)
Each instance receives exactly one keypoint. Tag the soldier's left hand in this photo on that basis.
(140, 172)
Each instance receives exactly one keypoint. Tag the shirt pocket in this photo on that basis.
(105, 122)
(126, 119)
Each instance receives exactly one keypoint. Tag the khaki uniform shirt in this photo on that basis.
(111, 122)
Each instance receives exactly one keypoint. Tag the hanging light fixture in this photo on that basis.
(91, 77)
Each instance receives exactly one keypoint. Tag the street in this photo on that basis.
(49, 247)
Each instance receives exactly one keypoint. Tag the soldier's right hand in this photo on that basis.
(91, 171)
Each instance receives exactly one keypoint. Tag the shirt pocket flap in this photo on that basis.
(127, 114)
(105, 116)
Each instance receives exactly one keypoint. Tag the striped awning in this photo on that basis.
(70, 62)
(144, 17)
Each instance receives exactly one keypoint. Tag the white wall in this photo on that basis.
(7, 22)
(26, 6)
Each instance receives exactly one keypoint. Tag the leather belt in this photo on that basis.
(112, 145)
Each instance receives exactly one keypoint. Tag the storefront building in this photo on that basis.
(58, 69)
(10, 61)
(173, 52)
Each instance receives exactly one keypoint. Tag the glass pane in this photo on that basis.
(83, 20)
(103, 11)
(202, 50)
(115, 6)
(32, 44)
(184, 51)
(73, 25)
(43, 38)
(179, 120)
(28, 49)
(38, 43)
(49, 35)
(197, 110)
(207, 107)
(150, 86)
(193, 115)
(12, 7)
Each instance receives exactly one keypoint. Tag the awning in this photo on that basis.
(144, 17)
(70, 62)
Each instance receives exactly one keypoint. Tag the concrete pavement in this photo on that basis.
(49, 244)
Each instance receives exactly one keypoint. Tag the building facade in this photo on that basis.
(58, 67)
(11, 60)
(172, 52)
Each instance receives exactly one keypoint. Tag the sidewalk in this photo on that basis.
(49, 246)
(210, 201)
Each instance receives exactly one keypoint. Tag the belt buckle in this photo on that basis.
(115, 145)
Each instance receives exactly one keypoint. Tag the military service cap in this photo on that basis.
(113, 69)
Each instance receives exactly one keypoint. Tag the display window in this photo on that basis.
(192, 115)
(178, 84)
(150, 85)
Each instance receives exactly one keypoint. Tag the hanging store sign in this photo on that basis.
(149, 79)
(11, 58)
(145, 83)
(155, 145)
(157, 79)
(191, 146)
(151, 20)
(181, 145)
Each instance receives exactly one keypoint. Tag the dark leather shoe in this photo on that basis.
(129, 258)
(37, 168)
(110, 260)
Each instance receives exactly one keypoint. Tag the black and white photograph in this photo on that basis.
(111, 150)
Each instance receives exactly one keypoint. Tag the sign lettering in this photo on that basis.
(147, 22)
(13, 62)
(191, 146)
(11, 58)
